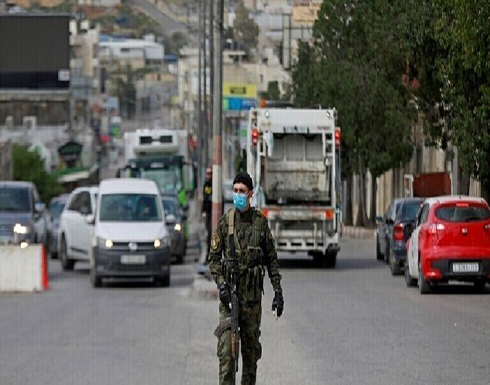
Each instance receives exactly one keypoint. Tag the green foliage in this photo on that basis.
(175, 43)
(125, 88)
(245, 30)
(273, 91)
(28, 166)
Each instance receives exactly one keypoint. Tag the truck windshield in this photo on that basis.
(167, 180)
(129, 208)
(14, 199)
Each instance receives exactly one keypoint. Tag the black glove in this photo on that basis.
(278, 303)
(225, 293)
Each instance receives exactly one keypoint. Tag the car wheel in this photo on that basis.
(387, 253)
(180, 259)
(394, 268)
(408, 278)
(480, 285)
(66, 262)
(424, 285)
(379, 256)
(95, 280)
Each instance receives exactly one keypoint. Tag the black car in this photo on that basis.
(398, 231)
(56, 207)
(175, 219)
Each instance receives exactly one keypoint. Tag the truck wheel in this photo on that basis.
(318, 259)
(330, 259)
(66, 262)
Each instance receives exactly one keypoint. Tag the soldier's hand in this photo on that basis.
(225, 294)
(278, 303)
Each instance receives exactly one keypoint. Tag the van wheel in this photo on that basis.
(164, 282)
(66, 262)
(95, 280)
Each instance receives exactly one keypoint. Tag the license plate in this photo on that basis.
(466, 267)
(133, 259)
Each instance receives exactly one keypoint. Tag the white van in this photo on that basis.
(130, 237)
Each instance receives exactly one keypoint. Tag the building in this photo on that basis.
(41, 3)
(99, 3)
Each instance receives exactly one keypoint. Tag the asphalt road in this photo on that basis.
(352, 325)
(168, 24)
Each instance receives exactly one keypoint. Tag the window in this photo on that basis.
(463, 213)
(424, 214)
(85, 205)
(129, 208)
(409, 211)
(15, 199)
(76, 203)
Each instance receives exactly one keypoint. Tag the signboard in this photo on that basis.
(240, 90)
(305, 11)
(238, 104)
(70, 153)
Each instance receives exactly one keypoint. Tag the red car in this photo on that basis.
(451, 241)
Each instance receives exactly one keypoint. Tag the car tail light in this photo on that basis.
(398, 232)
(436, 228)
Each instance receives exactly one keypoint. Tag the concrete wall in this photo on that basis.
(6, 162)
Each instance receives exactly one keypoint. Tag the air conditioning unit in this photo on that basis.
(9, 123)
(29, 124)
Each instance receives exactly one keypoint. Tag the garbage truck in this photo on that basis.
(293, 156)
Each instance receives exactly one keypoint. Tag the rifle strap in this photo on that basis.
(231, 232)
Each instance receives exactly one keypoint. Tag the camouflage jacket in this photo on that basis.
(251, 286)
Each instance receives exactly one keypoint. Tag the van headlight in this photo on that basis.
(161, 243)
(178, 227)
(103, 243)
(21, 229)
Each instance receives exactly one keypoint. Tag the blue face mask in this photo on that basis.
(240, 201)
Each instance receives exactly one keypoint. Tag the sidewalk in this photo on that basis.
(358, 232)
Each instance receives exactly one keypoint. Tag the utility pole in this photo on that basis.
(218, 120)
(211, 77)
(205, 141)
(199, 92)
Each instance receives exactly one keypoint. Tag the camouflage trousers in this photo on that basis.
(251, 350)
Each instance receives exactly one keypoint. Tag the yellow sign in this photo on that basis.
(240, 90)
(305, 11)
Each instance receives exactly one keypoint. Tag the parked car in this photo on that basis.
(131, 238)
(451, 241)
(56, 207)
(398, 236)
(21, 214)
(74, 232)
(385, 228)
(175, 218)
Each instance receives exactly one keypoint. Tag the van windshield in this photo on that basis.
(14, 199)
(129, 208)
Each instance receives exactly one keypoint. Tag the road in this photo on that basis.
(168, 24)
(355, 324)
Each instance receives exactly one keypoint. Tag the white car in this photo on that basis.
(131, 239)
(75, 233)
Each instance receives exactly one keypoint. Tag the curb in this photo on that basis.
(203, 288)
(358, 232)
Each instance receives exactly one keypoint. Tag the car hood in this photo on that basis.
(136, 231)
(13, 218)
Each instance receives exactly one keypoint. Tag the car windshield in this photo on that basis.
(170, 206)
(56, 208)
(129, 208)
(14, 199)
(168, 180)
(463, 212)
(409, 211)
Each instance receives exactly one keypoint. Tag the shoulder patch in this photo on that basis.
(215, 241)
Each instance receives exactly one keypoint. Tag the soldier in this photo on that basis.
(255, 252)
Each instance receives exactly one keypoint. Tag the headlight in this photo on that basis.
(20, 229)
(161, 243)
(104, 243)
(178, 227)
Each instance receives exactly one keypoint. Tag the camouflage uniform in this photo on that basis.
(254, 255)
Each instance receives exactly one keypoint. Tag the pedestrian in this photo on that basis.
(207, 204)
(255, 252)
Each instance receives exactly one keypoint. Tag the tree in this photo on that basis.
(28, 166)
(356, 64)
(245, 30)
